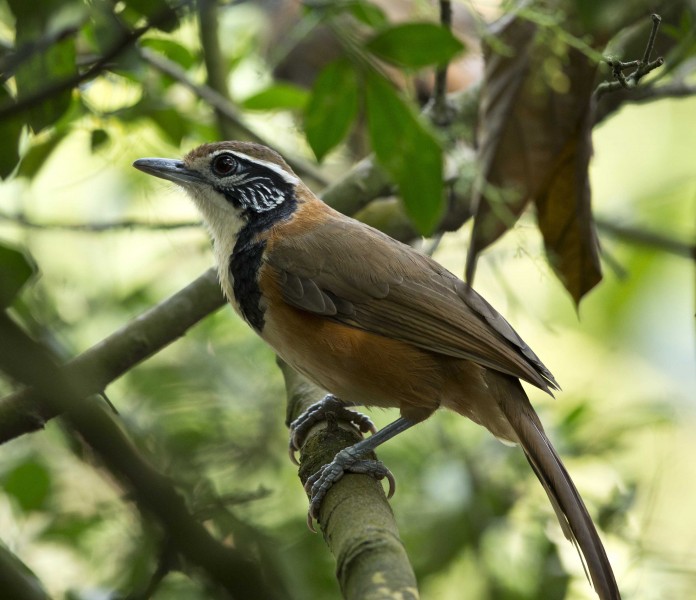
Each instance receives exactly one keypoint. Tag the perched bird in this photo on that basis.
(370, 320)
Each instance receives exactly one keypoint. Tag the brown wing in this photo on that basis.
(353, 274)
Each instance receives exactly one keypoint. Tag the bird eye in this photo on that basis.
(223, 165)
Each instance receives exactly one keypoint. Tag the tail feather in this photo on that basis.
(548, 467)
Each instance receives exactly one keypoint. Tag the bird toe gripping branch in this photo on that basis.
(317, 413)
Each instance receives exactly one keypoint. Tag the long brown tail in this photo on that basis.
(569, 507)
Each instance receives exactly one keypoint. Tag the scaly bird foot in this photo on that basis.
(346, 461)
(300, 427)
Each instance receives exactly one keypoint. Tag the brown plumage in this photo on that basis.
(370, 319)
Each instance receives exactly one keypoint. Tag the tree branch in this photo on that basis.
(643, 66)
(11, 61)
(126, 224)
(355, 517)
(648, 93)
(25, 411)
(17, 580)
(642, 237)
(441, 112)
(26, 361)
(215, 67)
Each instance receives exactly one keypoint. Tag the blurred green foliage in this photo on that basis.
(209, 410)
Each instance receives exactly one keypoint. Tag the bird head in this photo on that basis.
(232, 183)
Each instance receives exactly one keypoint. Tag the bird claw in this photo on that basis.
(300, 427)
(344, 462)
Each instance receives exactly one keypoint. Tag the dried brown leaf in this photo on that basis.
(565, 220)
(535, 146)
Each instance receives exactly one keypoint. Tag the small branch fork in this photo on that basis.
(642, 67)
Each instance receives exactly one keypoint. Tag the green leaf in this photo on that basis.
(408, 151)
(278, 96)
(24, 11)
(98, 138)
(30, 484)
(45, 67)
(172, 50)
(368, 13)
(171, 122)
(332, 107)
(415, 45)
(16, 268)
(38, 154)
(155, 10)
(71, 528)
(10, 131)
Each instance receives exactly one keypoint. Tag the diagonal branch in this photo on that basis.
(648, 93)
(25, 411)
(12, 60)
(18, 582)
(28, 362)
(21, 220)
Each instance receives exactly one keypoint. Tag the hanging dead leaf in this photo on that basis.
(534, 110)
(565, 220)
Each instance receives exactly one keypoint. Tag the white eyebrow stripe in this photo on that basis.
(287, 177)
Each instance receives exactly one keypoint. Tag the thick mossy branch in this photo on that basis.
(355, 517)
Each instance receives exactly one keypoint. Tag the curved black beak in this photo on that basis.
(167, 168)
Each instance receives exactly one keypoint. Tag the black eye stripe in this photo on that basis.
(249, 186)
(224, 165)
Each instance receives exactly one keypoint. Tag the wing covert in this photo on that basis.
(372, 282)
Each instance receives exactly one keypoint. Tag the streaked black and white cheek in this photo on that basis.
(259, 197)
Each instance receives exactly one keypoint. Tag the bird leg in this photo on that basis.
(317, 412)
(349, 460)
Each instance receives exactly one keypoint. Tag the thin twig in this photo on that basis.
(642, 237)
(167, 562)
(128, 224)
(215, 67)
(642, 67)
(434, 244)
(649, 93)
(442, 114)
(656, 20)
(629, 234)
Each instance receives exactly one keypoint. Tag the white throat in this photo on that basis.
(224, 224)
